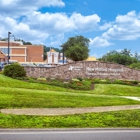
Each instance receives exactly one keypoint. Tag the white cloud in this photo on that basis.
(126, 27)
(61, 23)
(17, 8)
(20, 30)
(39, 26)
(99, 42)
(49, 23)
(105, 26)
(23, 19)
(85, 23)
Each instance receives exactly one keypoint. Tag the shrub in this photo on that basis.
(14, 70)
(117, 81)
(41, 79)
(135, 82)
(80, 78)
(96, 80)
(75, 80)
(135, 65)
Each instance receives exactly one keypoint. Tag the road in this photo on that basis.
(73, 134)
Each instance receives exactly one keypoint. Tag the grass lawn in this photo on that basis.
(117, 119)
(29, 98)
(19, 94)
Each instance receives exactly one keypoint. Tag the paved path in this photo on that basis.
(66, 111)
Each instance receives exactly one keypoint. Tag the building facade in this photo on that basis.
(22, 53)
(55, 58)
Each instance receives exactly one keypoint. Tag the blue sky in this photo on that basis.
(109, 24)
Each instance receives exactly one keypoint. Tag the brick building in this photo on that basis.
(21, 53)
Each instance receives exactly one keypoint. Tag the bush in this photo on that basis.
(14, 70)
(80, 78)
(135, 82)
(135, 65)
(117, 81)
(96, 80)
(41, 79)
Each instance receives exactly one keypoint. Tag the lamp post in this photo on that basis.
(63, 57)
(8, 45)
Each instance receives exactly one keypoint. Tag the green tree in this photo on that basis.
(4, 39)
(135, 65)
(137, 56)
(76, 48)
(126, 52)
(124, 57)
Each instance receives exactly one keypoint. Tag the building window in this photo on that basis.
(5, 50)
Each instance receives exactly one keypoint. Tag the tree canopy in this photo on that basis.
(76, 48)
(124, 57)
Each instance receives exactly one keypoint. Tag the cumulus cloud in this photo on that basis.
(99, 42)
(51, 23)
(61, 23)
(84, 23)
(43, 25)
(23, 18)
(125, 27)
(16, 8)
(106, 26)
(20, 30)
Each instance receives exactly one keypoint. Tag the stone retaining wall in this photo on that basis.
(85, 69)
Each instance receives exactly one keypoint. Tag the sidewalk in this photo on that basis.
(66, 111)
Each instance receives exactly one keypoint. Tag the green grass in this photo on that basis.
(19, 94)
(115, 89)
(29, 98)
(13, 83)
(100, 89)
(123, 119)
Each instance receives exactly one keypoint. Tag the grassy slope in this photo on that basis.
(115, 89)
(13, 83)
(19, 94)
(101, 89)
(15, 93)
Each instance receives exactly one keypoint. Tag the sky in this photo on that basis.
(108, 24)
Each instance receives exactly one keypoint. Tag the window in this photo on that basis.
(5, 50)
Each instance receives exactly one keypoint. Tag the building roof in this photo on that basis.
(12, 43)
(52, 50)
(91, 58)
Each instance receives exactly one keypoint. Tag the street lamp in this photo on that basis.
(63, 57)
(8, 44)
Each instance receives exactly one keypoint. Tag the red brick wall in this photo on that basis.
(35, 53)
(18, 51)
(18, 58)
